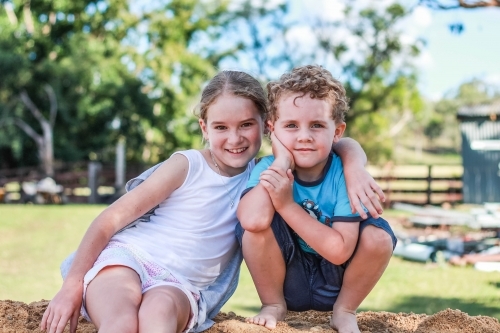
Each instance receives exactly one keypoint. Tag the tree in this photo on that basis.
(113, 73)
(363, 48)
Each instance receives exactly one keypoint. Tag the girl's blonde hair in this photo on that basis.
(313, 80)
(237, 83)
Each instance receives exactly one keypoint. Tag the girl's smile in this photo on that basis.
(233, 129)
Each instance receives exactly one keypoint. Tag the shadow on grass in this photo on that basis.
(431, 305)
(494, 284)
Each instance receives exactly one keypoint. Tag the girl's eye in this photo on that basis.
(317, 126)
(220, 127)
(246, 125)
(290, 126)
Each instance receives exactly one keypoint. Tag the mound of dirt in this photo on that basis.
(18, 317)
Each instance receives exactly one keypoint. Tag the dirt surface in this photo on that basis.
(18, 317)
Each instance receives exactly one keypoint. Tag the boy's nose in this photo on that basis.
(304, 136)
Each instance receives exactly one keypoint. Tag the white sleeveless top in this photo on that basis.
(192, 232)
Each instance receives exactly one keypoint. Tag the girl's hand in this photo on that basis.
(283, 158)
(279, 185)
(64, 307)
(362, 188)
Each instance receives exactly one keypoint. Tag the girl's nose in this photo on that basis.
(234, 137)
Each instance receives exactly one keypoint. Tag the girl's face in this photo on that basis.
(233, 129)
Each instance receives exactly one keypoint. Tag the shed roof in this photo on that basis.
(485, 110)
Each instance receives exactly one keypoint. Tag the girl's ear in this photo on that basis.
(203, 127)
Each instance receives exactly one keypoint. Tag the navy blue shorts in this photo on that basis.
(311, 282)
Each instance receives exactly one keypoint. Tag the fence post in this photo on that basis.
(93, 181)
(120, 167)
(429, 180)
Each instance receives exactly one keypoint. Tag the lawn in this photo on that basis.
(35, 239)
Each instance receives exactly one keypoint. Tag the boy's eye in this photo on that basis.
(220, 127)
(317, 126)
(246, 124)
(290, 126)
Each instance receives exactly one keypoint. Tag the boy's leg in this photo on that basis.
(113, 298)
(164, 309)
(369, 261)
(267, 268)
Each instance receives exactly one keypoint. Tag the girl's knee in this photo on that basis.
(124, 322)
(165, 305)
(375, 240)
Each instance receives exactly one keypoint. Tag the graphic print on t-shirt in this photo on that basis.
(314, 211)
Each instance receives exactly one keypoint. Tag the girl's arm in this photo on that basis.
(156, 188)
(361, 187)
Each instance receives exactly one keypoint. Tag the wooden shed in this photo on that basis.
(480, 131)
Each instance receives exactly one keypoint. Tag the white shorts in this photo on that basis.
(150, 273)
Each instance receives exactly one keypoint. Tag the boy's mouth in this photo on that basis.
(237, 151)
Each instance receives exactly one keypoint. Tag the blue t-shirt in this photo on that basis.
(325, 199)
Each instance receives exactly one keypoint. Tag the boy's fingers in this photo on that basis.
(279, 171)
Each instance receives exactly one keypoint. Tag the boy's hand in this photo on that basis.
(279, 185)
(283, 158)
(362, 188)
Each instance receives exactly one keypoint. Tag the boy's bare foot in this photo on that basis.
(344, 321)
(269, 315)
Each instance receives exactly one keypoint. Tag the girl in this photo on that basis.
(171, 273)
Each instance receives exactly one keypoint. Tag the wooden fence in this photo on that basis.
(409, 184)
(74, 178)
(422, 185)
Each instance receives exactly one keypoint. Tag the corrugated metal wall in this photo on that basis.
(481, 178)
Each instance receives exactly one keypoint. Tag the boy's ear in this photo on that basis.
(339, 131)
(270, 126)
(203, 127)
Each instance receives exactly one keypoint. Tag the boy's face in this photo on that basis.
(306, 129)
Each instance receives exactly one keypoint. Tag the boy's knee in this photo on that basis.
(257, 238)
(375, 240)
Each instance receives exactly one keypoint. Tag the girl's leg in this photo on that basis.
(368, 263)
(164, 309)
(113, 298)
(267, 268)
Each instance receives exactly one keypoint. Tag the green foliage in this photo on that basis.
(378, 76)
(442, 124)
(115, 72)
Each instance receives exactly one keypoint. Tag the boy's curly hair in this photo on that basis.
(313, 80)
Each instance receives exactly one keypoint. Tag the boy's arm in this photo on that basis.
(255, 210)
(361, 187)
(335, 244)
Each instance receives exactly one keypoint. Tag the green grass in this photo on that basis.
(35, 239)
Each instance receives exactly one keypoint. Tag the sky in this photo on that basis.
(450, 59)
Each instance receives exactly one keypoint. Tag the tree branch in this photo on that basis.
(53, 104)
(28, 130)
(31, 106)
(436, 4)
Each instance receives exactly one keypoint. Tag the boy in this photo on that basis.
(303, 246)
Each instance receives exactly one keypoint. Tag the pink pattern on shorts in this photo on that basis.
(152, 272)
